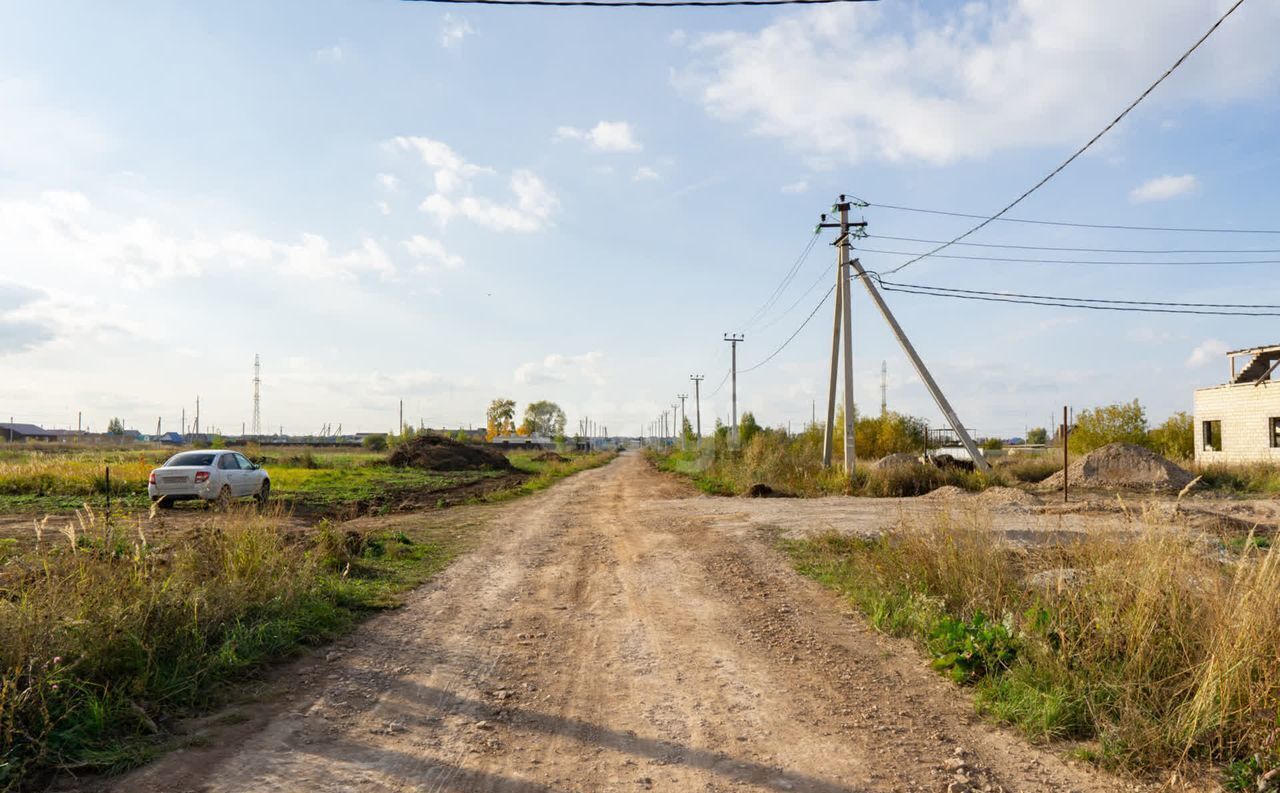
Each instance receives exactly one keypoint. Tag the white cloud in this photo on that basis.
(332, 54)
(1163, 188)
(610, 136)
(453, 29)
(432, 251)
(62, 235)
(795, 187)
(645, 174)
(970, 81)
(389, 181)
(39, 134)
(454, 179)
(557, 368)
(384, 207)
(1208, 351)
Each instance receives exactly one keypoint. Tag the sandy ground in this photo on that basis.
(615, 633)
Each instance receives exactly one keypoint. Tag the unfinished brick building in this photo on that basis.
(1239, 421)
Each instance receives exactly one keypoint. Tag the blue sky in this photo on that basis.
(443, 205)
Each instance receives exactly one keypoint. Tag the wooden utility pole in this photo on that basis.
(682, 397)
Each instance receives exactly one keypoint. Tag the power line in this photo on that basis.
(1071, 224)
(793, 335)
(640, 3)
(782, 286)
(1073, 261)
(1148, 307)
(1086, 146)
(1076, 250)
(1083, 299)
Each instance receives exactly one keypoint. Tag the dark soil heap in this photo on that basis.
(438, 453)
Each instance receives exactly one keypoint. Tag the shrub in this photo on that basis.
(375, 443)
(1122, 422)
(1175, 438)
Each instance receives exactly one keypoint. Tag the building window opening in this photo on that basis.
(1212, 431)
(1275, 433)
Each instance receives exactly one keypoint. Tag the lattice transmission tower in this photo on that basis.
(257, 383)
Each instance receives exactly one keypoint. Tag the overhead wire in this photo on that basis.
(1082, 149)
(1065, 249)
(1097, 304)
(792, 337)
(1077, 261)
(783, 284)
(640, 3)
(1072, 224)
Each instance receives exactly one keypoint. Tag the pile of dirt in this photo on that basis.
(550, 457)
(946, 492)
(438, 453)
(899, 460)
(761, 490)
(1122, 465)
(1007, 495)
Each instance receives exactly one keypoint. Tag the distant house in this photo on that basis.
(1239, 421)
(27, 432)
(524, 441)
(169, 438)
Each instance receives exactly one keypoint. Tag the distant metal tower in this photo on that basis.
(884, 387)
(257, 407)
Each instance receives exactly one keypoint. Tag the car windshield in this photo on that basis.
(190, 458)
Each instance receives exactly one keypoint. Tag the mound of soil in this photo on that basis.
(899, 460)
(761, 490)
(1122, 465)
(550, 457)
(1007, 495)
(945, 492)
(438, 453)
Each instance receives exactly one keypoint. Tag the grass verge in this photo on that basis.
(1158, 648)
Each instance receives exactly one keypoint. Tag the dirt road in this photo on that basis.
(602, 639)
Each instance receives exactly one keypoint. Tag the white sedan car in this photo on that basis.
(209, 474)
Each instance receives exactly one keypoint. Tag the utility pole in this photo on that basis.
(733, 339)
(257, 382)
(80, 420)
(978, 459)
(697, 402)
(197, 430)
(683, 417)
(677, 427)
(1066, 429)
(184, 422)
(841, 327)
(884, 388)
(400, 426)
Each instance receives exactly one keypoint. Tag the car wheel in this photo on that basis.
(164, 502)
(224, 497)
(264, 493)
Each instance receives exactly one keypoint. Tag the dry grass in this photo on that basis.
(1159, 645)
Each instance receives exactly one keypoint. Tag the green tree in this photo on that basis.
(500, 417)
(747, 428)
(375, 443)
(992, 444)
(115, 427)
(1175, 438)
(687, 431)
(890, 433)
(543, 418)
(1124, 422)
(1037, 435)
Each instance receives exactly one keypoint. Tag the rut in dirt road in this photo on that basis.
(602, 640)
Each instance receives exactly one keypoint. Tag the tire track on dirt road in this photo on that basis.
(603, 639)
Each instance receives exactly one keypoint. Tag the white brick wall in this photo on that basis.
(1245, 412)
